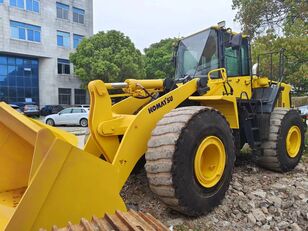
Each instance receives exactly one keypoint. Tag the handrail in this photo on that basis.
(223, 73)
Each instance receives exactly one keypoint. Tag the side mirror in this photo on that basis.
(255, 69)
(175, 50)
(236, 41)
(173, 60)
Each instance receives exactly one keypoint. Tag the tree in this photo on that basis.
(257, 16)
(277, 24)
(110, 56)
(296, 67)
(158, 59)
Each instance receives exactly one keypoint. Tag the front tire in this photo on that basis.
(190, 159)
(83, 122)
(50, 122)
(284, 147)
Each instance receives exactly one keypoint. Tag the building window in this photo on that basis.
(65, 96)
(64, 66)
(80, 96)
(78, 15)
(63, 39)
(17, 3)
(33, 5)
(19, 79)
(62, 11)
(77, 40)
(25, 31)
(30, 5)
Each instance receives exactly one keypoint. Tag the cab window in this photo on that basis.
(209, 58)
(236, 59)
(232, 61)
(245, 58)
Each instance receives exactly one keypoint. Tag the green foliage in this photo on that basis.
(296, 68)
(276, 24)
(257, 16)
(110, 56)
(158, 59)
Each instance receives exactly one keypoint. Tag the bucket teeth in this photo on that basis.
(120, 221)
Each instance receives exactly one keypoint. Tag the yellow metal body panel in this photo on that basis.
(242, 89)
(224, 104)
(239, 85)
(129, 105)
(66, 188)
(284, 99)
(14, 167)
(46, 180)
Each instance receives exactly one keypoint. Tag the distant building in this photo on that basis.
(36, 38)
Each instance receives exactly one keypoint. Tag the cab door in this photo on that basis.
(235, 57)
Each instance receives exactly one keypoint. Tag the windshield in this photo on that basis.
(197, 54)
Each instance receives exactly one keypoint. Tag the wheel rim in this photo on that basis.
(83, 123)
(210, 161)
(49, 122)
(293, 141)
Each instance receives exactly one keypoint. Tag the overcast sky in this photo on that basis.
(149, 21)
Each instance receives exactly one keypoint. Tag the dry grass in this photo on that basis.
(300, 101)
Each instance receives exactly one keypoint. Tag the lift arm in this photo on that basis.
(106, 126)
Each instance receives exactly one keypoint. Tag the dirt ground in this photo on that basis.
(256, 200)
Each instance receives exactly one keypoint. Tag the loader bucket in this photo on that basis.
(46, 180)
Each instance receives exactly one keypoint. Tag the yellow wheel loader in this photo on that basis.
(189, 128)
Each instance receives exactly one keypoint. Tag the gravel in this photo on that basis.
(256, 200)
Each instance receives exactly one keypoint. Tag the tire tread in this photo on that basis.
(161, 148)
(270, 157)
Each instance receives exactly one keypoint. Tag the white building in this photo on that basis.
(36, 38)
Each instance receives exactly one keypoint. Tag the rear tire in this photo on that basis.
(50, 122)
(171, 159)
(83, 122)
(279, 154)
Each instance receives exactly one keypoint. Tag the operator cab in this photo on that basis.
(211, 49)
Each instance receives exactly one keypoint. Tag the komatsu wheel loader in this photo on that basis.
(189, 128)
